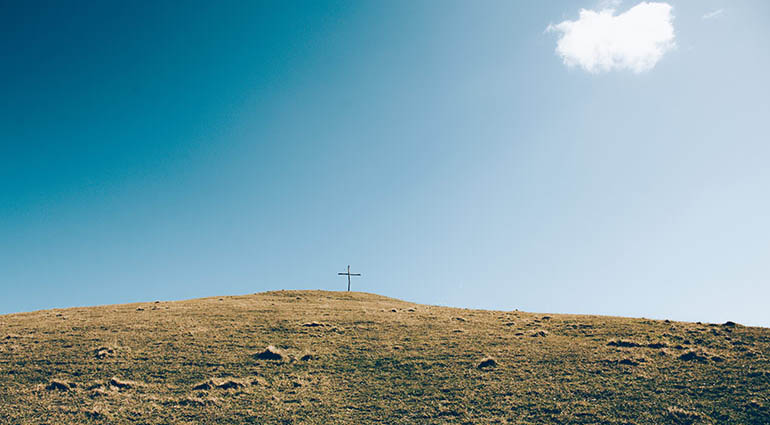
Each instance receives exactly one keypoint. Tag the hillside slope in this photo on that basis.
(361, 358)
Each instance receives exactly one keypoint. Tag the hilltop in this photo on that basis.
(334, 357)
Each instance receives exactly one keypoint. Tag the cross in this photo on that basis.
(348, 274)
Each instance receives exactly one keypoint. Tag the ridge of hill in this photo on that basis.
(317, 357)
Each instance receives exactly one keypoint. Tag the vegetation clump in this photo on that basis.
(122, 383)
(683, 416)
(487, 363)
(693, 356)
(622, 343)
(59, 385)
(271, 353)
(104, 352)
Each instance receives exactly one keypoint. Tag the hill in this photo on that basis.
(360, 358)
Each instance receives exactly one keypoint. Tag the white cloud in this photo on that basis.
(713, 14)
(600, 41)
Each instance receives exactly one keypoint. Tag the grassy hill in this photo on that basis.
(362, 358)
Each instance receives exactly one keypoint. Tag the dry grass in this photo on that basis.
(327, 357)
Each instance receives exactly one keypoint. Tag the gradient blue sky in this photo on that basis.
(150, 150)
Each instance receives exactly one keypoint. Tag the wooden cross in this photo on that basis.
(348, 274)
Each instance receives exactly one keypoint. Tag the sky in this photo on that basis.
(591, 157)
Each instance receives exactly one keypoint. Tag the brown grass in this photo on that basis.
(199, 361)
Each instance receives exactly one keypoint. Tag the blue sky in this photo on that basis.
(451, 152)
